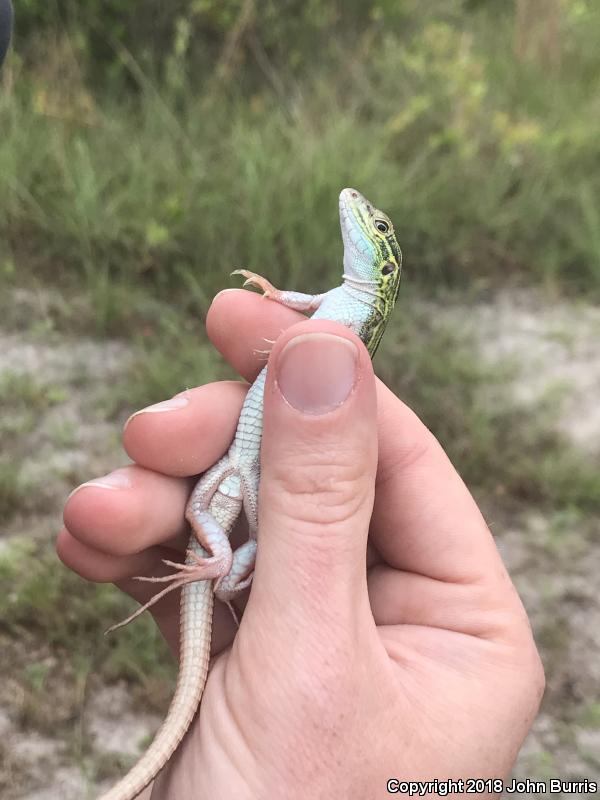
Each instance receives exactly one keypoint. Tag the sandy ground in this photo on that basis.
(554, 560)
(553, 348)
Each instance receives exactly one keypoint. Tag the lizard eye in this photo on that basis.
(388, 268)
(382, 225)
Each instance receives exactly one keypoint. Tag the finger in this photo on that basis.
(128, 511)
(188, 433)
(100, 567)
(318, 457)
(240, 324)
(131, 509)
(407, 598)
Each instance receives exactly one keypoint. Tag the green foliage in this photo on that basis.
(591, 715)
(23, 400)
(288, 33)
(487, 167)
(15, 491)
(21, 390)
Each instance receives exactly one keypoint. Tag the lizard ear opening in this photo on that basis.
(388, 268)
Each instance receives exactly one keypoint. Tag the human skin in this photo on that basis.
(406, 656)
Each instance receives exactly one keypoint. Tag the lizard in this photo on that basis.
(364, 301)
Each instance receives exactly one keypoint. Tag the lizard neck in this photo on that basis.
(364, 292)
(373, 322)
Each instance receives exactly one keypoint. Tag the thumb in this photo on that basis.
(318, 465)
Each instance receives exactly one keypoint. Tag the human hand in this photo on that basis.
(416, 662)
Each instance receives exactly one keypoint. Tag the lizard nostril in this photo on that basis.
(354, 194)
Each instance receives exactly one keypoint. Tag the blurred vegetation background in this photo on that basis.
(146, 143)
(147, 149)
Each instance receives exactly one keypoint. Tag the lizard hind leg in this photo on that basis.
(239, 577)
(212, 511)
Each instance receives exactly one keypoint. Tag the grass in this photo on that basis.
(15, 491)
(21, 389)
(58, 645)
(590, 715)
(24, 400)
(53, 653)
(486, 166)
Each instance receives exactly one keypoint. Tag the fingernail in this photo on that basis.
(119, 479)
(316, 371)
(175, 403)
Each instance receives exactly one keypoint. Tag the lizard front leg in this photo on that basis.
(296, 300)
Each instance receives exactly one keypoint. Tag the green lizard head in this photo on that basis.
(372, 259)
(372, 255)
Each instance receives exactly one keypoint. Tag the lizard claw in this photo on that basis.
(253, 279)
(243, 272)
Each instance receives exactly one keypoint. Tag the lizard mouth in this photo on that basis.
(355, 213)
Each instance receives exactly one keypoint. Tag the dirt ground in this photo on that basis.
(554, 559)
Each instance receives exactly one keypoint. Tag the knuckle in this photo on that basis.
(400, 462)
(532, 685)
(533, 679)
(538, 676)
(318, 492)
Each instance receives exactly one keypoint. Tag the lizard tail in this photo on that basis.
(197, 601)
(196, 604)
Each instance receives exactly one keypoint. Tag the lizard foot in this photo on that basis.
(296, 300)
(253, 279)
(201, 569)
